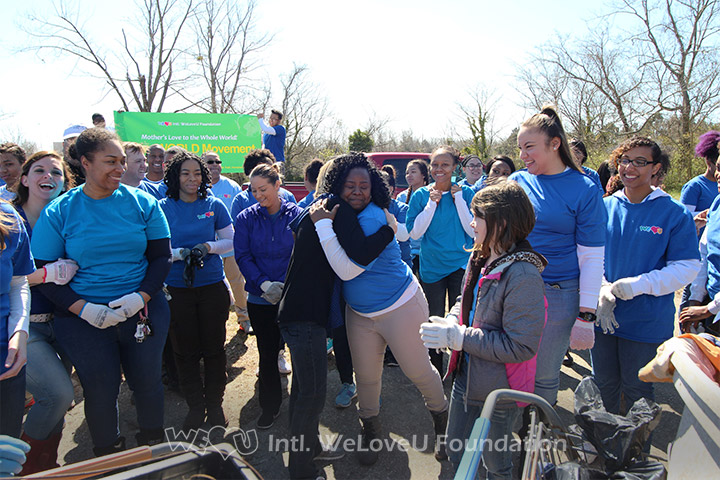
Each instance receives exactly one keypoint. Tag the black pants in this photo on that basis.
(263, 319)
(437, 293)
(197, 330)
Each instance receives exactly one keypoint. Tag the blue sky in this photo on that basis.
(408, 61)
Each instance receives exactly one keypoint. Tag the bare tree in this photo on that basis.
(305, 109)
(228, 49)
(477, 116)
(143, 76)
(680, 43)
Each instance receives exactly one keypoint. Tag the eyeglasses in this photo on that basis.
(637, 162)
(213, 162)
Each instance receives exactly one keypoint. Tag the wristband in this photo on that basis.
(44, 274)
(83, 308)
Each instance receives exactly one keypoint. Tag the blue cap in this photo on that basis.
(73, 131)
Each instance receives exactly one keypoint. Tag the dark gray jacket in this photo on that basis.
(508, 320)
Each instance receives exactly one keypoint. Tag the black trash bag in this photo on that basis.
(650, 470)
(192, 261)
(617, 439)
(576, 471)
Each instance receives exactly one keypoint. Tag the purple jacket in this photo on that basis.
(262, 246)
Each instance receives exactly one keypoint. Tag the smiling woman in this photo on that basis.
(119, 238)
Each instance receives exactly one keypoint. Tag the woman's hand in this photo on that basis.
(60, 271)
(391, 220)
(690, 317)
(17, 354)
(318, 211)
(700, 220)
(435, 195)
(455, 188)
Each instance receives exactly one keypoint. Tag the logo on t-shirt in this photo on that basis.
(654, 230)
(206, 215)
(226, 195)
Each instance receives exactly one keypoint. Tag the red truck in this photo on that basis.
(399, 160)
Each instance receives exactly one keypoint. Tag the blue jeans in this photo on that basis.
(563, 300)
(497, 451)
(616, 362)
(12, 403)
(98, 355)
(306, 341)
(48, 379)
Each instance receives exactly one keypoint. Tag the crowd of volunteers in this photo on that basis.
(123, 261)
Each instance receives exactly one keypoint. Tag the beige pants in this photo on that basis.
(400, 329)
(237, 284)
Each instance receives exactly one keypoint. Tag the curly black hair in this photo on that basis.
(658, 155)
(338, 171)
(172, 175)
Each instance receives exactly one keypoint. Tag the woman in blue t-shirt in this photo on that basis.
(650, 252)
(385, 304)
(44, 177)
(104, 317)
(263, 245)
(201, 231)
(16, 263)
(440, 214)
(570, 233)
(417, 176)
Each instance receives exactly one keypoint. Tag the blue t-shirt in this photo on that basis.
(190, 224)
(246, 199)
(385, 279)
(15, 260)
(713, 248)
(276, 143)
(642, 237)
(307, 200)
(106, 237)
(399, 211)
(156, 189)
(475, 186)
(414, 244)
(569, 211)
(445, 247)
(39, 303)
(593, 175)
(700, 193)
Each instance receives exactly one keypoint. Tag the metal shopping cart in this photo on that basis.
(549, 442)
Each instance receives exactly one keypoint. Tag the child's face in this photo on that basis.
(479, 227)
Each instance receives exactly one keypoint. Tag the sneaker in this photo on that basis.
(346, 395)
(329, 346)
(329, 453)
(246, 327)
(257, 372)
(266, 420)
(283, 365)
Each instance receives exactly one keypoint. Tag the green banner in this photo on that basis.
(232, 136)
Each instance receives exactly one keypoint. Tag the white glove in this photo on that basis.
(622, 288)
(128, 305)
(60, 271)
(442, 335)
(100, 316)
(582, 336)
(179, 254)
(606, 310)
(272, 291)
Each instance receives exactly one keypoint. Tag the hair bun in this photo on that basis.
(550, 111)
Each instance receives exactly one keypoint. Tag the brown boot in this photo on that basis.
(42, 455)
(440, 420)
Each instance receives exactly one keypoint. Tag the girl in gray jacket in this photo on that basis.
(495, 327)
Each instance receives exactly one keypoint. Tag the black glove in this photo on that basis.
(200, 250)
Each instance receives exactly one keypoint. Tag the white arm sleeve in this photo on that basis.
(338, 259)
(591, 263)
(19, 298)
(224, 242)
(402, 234)
(265, 127)
(698, 289)
(673, 276)
(463, 213)
(422, 221)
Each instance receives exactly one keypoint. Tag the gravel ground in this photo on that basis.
(403, 416)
